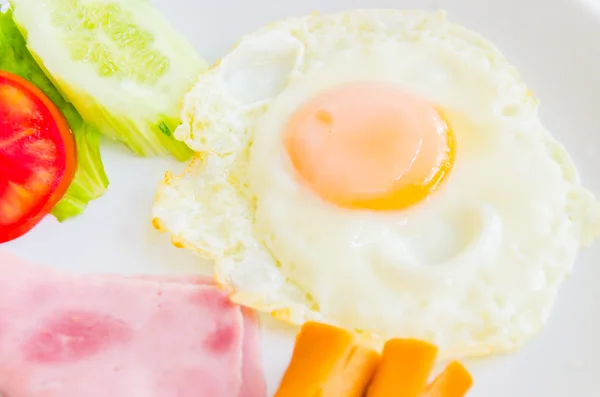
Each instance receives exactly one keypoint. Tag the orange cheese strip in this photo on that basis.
(404, 368)
(327, 362)
(455, 381)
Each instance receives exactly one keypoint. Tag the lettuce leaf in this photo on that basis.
(90, 179)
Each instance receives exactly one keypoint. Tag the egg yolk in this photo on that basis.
(370, 146)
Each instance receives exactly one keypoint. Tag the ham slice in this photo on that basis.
(253, 380)
(87, 336)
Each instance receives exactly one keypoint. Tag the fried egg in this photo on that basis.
(383, 171)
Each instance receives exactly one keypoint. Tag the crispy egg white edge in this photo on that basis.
(301, 310)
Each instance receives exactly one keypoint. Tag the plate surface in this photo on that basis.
(555, 46)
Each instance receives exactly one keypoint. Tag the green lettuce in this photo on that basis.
(90, 179)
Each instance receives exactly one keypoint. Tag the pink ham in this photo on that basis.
(253, 381)
(87, 336)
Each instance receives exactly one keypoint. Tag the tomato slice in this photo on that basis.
(37, 156)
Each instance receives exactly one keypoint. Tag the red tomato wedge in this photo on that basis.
(37, 156)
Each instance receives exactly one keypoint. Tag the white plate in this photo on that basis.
(556, 46)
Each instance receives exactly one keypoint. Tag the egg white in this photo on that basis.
(475, 268)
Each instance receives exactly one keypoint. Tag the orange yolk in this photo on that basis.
(370, 146)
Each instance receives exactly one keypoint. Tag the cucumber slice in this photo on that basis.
(119, 62)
